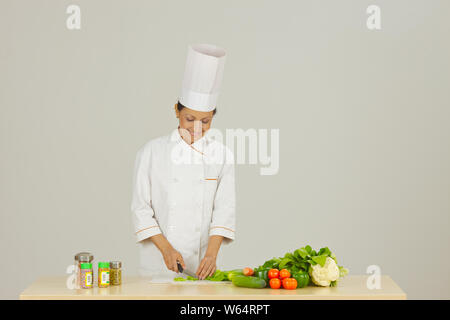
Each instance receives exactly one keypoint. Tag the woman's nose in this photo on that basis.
(198, 126)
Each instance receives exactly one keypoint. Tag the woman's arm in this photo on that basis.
(223, 218)
(214, 246)
(207, 266)
(222, 221)
(145, 224)
(170, 255)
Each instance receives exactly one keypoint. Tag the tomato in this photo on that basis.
(273, 273)
(248, 271)
(275, 283)
(289, 283)
(284, 273)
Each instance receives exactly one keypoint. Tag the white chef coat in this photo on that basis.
(187, 193)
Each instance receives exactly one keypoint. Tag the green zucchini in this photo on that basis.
(248, 281)
(237, 270)
(234, 272)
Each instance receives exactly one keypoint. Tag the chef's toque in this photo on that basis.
(202, 77)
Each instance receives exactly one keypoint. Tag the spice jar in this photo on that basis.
(86, 275)
(103, 274)
(116, 273)
(82, 257)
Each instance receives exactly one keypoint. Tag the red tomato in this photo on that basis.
(273, 273)
(289, 283)
(275, 283)
(284, 273)
(247, 271)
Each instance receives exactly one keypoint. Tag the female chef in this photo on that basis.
(183, 201)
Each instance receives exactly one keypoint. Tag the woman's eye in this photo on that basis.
(189, 119)
(205, 121)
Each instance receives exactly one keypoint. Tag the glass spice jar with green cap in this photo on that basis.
(86, 276)
(103, 274)
(81, 257)
(116, 273)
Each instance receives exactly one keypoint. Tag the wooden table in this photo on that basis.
(351, 287)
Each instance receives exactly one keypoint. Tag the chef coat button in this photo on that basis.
(175, 180)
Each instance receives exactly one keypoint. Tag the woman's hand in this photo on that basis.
(171, 256)
(207, 267)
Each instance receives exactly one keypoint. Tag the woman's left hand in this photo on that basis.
(207, 267)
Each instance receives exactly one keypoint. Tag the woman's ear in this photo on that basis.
(177, 113)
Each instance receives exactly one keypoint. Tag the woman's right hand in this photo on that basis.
(171, 256)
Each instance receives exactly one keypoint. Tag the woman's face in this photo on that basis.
(195, 122)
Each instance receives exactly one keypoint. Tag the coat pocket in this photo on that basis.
(211, 183)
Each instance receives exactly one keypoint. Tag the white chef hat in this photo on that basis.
(202, 77)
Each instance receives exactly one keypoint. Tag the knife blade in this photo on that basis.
(186, 272)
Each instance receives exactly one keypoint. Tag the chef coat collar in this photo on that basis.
(198, 145)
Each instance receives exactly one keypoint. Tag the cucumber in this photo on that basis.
(237, 270)
(234, 272)
(248, 281)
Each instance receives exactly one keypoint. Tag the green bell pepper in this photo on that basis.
(263, 274)
(302, 278)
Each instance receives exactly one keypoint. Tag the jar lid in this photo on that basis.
(84, 257)
(103, 264)
(86, 265)
(115, 264)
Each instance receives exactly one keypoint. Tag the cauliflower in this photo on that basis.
(323, 276)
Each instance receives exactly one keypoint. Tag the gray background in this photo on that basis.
(363, 119)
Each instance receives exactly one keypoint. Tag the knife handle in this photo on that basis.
(180, 268)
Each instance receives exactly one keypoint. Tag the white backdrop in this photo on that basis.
(363, 119)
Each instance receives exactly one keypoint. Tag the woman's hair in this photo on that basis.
(180, 107)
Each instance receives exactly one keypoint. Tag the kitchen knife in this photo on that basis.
(186, 272)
